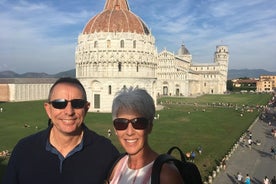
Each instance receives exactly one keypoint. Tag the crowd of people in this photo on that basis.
(250, 141)
(247, 179)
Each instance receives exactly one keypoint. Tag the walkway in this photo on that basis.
(256, 162)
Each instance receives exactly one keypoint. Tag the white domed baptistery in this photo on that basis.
(115, 50)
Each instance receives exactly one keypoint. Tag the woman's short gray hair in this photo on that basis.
(136, 100)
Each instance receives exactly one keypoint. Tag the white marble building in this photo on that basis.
(24, 89)
(116, 50)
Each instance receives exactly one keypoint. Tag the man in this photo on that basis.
(67, 151)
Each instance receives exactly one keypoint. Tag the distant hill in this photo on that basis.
(11, 74)
(250, 73)
(69, 73)
(232, 74)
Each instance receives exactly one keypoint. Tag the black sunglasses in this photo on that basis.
(62, 103)
(137, 123)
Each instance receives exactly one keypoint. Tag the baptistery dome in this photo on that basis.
(116, 17)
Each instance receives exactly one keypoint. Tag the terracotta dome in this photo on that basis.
(116, 17)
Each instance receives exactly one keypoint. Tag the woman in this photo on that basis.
(133, 112)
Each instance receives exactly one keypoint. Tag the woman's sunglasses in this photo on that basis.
(62, 103)
(137, 123)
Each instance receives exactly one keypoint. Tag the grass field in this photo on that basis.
(213, 122)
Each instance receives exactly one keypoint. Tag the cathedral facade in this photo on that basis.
(117, 50)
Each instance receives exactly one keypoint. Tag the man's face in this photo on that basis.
(66, 120)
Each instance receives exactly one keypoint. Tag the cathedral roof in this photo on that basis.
(116, 17)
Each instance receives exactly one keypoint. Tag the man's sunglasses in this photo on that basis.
(62, 103)
(137, 123)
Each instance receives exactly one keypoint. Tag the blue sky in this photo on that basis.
(41, 36)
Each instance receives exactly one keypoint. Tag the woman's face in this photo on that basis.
(133, 140)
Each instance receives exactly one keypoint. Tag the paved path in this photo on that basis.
(256, 162)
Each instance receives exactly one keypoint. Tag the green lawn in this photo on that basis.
(210, 121)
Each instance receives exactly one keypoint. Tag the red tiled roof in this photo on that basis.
(116, 17)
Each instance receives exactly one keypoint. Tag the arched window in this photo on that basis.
(134, 44)
(109, 90)
(137, 67)
(119, 66)
(95, 44)
(122, 44)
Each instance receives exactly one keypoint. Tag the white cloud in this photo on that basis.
(37, 34)
(42, 35)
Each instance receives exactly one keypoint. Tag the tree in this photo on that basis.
(229, 85)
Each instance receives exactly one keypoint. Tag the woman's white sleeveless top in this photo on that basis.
(125, 175)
